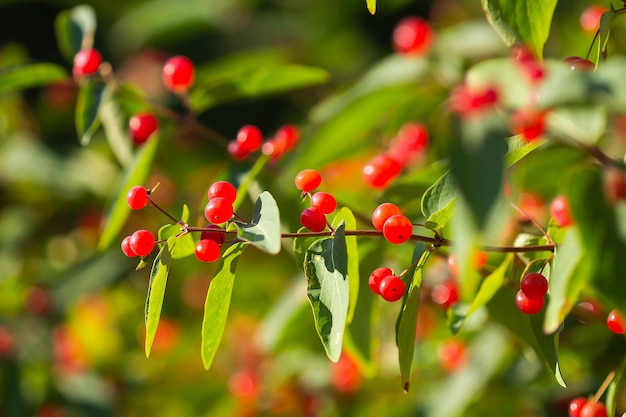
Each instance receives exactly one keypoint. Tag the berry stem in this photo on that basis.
(534, 222)
(603, 387)
(156, 206)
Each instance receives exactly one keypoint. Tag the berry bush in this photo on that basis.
(313, 209)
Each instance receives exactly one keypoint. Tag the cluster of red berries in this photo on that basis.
(314, 217)
(249, 139)
(530, 297)
(396, 227)
(139, 243)
(410, 143)
(385, 283)
(222, 196)
(582, 407)
(412, 36)
(208, 247)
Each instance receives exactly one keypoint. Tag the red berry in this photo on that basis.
(217, 234)
(412, 35)
(86, 62)
(313, 219)
(616, 322)
(178, 74)
(412, 140)
(452, 354)
(286, 138)
(528, 305)
(532, 206)
(534, 285)
(397, 229)
(592, 409)
(142, 126)
(527, 62)
(615, 184)
(142, 242)
(381, 170)
(392, 288)
(223, 189)
(577, 63)
(137, 197)
(345, 375)
(236, 150)
(468, 102)
(376, 276)
(445, 294)
(250, 138)
(479, 259)
(308, 180)
(324, 201)
(126, 249)
(590, 18)
(218, 210)
(382, 213)
(529, 123)
(575, 406)
(207, 251)
(561, 212)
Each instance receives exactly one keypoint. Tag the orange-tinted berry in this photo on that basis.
(308, 180)
(397, 229)
(382, 213)
(324, 201)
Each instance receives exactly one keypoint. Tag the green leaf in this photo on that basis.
(118, 211)
(566, 281)
(90, 96)
(519, 148)
(606, 20)
(156, 291)
(255, 83)
(185, 245)
(75, 28)
(525, 22)
(345, 215)
(439, 195)
(326, 270)
(613, 390)
(407, 319)
(116, 128)
(548, 345)
(31, 75)
(300, 246)
(489, 287)
(217, 303)
(264, 230)
(583, 124)
(371, 6)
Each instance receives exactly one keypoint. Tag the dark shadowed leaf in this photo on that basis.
(91, 94)
(73, 27)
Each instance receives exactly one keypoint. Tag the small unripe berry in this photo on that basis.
(313, 219)
(376, 276)
(308, 180)
(382, 213)
(178, 74)
(397, 229)
(324, 201)
(528, 305)
(207, 251)
(392, 288)
(223, 189)
(218, 210)
(137, 198)
(142, 126)
(142, 242)
(86, 62)
(534, 285)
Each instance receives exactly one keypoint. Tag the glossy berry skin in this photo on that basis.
(593, 410)
(308, 180)
(412, 36)
(590, 18)
(382, 213)
(313, 219)
(576, 63)
(528, 305)
(529, 124)
(392, 288)
(250, 138)
(86, 62)
(559, 208)
(575, 406)
(142, 126)
(380, 171)
(237, 151)
(616, 322)
(324, 201)
(126, 249)
(142, 242)
(397, 229)
(376, 276)
(207, 251)
(285, 139)
(218, 210)
(178, 74)
(223, 189)
(137, 197)
(217, 235)
(445, 294)
(534, 285)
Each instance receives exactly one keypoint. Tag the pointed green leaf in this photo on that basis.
(116, 128)
(31, 75)
(526, 22)
(326, 270)
(264, 230)
(156, 291)
(407, 319)
(519, 148)
(118, 211)
(548, 345)
(612, 394)
(75, 28)
(439, 195)
(371, 6)
(258, 82)
(606, 20)
(217, 303)
(345, 215)
(90, 96)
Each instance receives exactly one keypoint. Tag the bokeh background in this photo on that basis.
(71, 316)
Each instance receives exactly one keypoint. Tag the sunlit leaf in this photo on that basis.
(548, 345)
(264, 229)
(31, 75)
(326, 270)
(345, 215)
(612, 393)
(156, 291)
(217, 303)
(185, 245)
(116, 128)
(371, 6)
